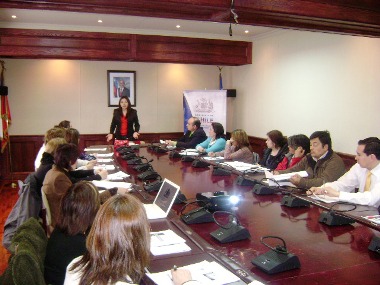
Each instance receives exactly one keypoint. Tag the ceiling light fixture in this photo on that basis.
(246, 31)
(178, 26)
(100, 21)
(14, 16)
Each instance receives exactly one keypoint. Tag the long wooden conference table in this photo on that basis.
(328, 254)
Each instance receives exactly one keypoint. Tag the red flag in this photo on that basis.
(6, 121)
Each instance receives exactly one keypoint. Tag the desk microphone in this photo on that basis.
(218, 170)
(230, 232)
(243, 181)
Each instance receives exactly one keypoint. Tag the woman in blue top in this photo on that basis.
(215, 142)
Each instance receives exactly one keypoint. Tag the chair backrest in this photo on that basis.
(26, 265)
(256, 157)
(47, 214)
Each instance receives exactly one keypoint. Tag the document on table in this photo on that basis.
(117, 176)
(283, 179)
(205, 272)
(105, 166)
(110, 184)
(190, 152)
(95, 149)
(245, 167)
(167, 242)
(374, 219)
(324, 198)
(105, 154)
(104, 160)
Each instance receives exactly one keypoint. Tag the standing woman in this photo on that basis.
(125, 123)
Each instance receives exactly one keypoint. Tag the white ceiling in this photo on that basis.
(59, 20)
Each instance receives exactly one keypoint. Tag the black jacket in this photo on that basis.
(133, 123)
(188, 141)
(271, 162)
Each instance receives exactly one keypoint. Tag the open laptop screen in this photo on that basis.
(166, 196)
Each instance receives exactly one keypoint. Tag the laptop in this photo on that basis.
(163, 202)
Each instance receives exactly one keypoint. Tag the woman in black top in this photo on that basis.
(125, 122)
(277, 147)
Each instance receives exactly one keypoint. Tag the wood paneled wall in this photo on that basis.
(24, 150)
(340, 16)
(22, 43)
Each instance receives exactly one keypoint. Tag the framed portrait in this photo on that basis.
(121, 83)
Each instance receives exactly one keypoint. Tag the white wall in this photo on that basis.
(300, 82)
(44, 92)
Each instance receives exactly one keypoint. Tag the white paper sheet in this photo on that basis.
(109, 184)
(117, 176)
(105, 154)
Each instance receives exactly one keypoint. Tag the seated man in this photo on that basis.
(194, 135)
(322, 164)
(364, 175)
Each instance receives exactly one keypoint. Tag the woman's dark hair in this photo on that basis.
(218, 129)
(129, 103)
(66, 155)
(299, 140)
(64, 124)
(72, 136)
(277, 138)
(78, 208)
(118, 244)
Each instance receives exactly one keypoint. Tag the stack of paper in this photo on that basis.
(117, 176)
(105, 154)
(190, 152)
(205, 272)
(283, 179)
(104, 160)
(108, 184)
(245, 167)
(95, 149)
(167, 242)
(105, 166)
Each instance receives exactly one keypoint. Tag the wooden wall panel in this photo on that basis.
(21, 43)
(339, 16)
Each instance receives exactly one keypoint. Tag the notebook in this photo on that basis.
(163, 202)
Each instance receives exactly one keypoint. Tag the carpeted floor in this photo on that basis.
(8, 197)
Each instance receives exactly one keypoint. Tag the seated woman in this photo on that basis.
(118, 245)
(237, 148)
(56, 132)
(276, 149)
(59, 179)
(215, 142)
(47, 160)
(299, 146)
(78, 209)
(72, 136)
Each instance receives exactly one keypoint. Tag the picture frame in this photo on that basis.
(115, 81)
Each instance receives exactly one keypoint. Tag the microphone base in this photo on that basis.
(244, 181)
(217, 171)
(375, 244)
(273, 262)
(294, 202)
(332, 219)
(259, 189)
(197, 216)
(234, 233)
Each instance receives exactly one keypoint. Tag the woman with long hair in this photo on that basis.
(125, 122)
(78, 209)
(237, 148)
(118, 245)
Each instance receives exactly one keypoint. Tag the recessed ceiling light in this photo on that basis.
(14, 16)
(178, 26)
(100, 21)
(246, 31)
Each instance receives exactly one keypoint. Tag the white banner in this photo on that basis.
(207, 105)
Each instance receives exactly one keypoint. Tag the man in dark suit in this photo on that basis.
(194, 135)
(122, 90)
